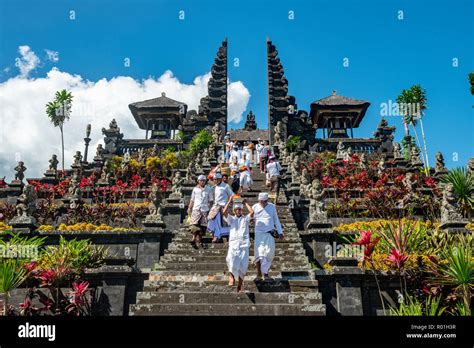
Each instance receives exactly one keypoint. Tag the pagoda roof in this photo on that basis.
(161, 107)
(337, 106)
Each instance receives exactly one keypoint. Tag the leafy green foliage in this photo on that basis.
(411, 306)
(59, 110)
(201, 141)
(463, 184)
(471, 81)
(293, 143)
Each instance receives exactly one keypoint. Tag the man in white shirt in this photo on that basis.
(266, 220)
(236, 153)
(273, 175)
(221, 194)
(258, 147)
(198, 209)
(239, 242)
(263, 155)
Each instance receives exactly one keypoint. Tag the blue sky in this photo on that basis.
(385, 54)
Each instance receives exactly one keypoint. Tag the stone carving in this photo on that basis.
(74, 192)
(53, 163)
(450, 211)
(20, 170)
(141, 156)
(341, 151)
(381, 166)
(279, 133)
(250, 123)
(25, 207)
(470, 166)
(217, 133)
(397, 151)
(155, 202)
(317, 214)
(125, 163)
(104, 176)
(112, 137)
(99, 153)
(415, 157)
(408, 184)
(348, 154)
(176, 183)
(77, 160)
(305, 184)
(295, 169)
(191, 172)
(363, 161)
(154, 151)
(439, 163)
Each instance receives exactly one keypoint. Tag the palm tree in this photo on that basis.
(58, 112)
(463, 184)
(413, 101)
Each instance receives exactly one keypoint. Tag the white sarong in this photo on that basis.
(264, 250)
(217, 227)
(238, 257)
(245, 179)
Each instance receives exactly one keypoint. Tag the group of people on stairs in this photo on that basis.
(219, 209)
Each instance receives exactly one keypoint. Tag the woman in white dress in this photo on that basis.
(239, 242)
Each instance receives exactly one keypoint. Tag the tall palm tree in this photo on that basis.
(413, 101)
(58, 112)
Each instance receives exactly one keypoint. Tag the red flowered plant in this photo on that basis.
(365, 240)
(397, 259)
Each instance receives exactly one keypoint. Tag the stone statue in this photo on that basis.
(316, 203)
(155, 206)
(450, 211)
(154, 151)
(77, 160)
(74, 190)
(26, 202)
(305, 184)
(295, 168)
(415, 156)
(25, 207)
(470, 166)
(217, 133)
(104, 176)
(141, 156)
(191, 172)
(439, 165)
(348, 154)
(113, 126)
(20, 170)
(53, 163)
(279, 133)
(408, 182)
(363, 161)
(397, 151)
(125, 162)
(341, 152)
(381, 166)
(99, 152)
(176, 185)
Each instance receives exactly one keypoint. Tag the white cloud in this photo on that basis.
(27, 61)
(52, 56)
(26, 132)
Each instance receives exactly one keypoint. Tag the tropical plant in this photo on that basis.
(456, 268)
(293, 143)
(463, 184)
(201, 141)
(59, 111)
(411, 306)
(413, 102)
(471, 82)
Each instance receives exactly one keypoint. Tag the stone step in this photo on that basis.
(181, 250)
(228, 309)
(284, 245)
(181, 238)
(221, 285)
(219, 266)
(200, 276)
(221, 258)
(228, 297)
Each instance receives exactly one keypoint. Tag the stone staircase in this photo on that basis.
(189, 281)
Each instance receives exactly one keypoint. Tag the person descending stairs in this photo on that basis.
(194, 281)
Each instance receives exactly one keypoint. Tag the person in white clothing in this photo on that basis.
(239, 242)
(273, 175)
(216, 225)
(198, 209)
(258, 147)
(266, 220)
(245, 178)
